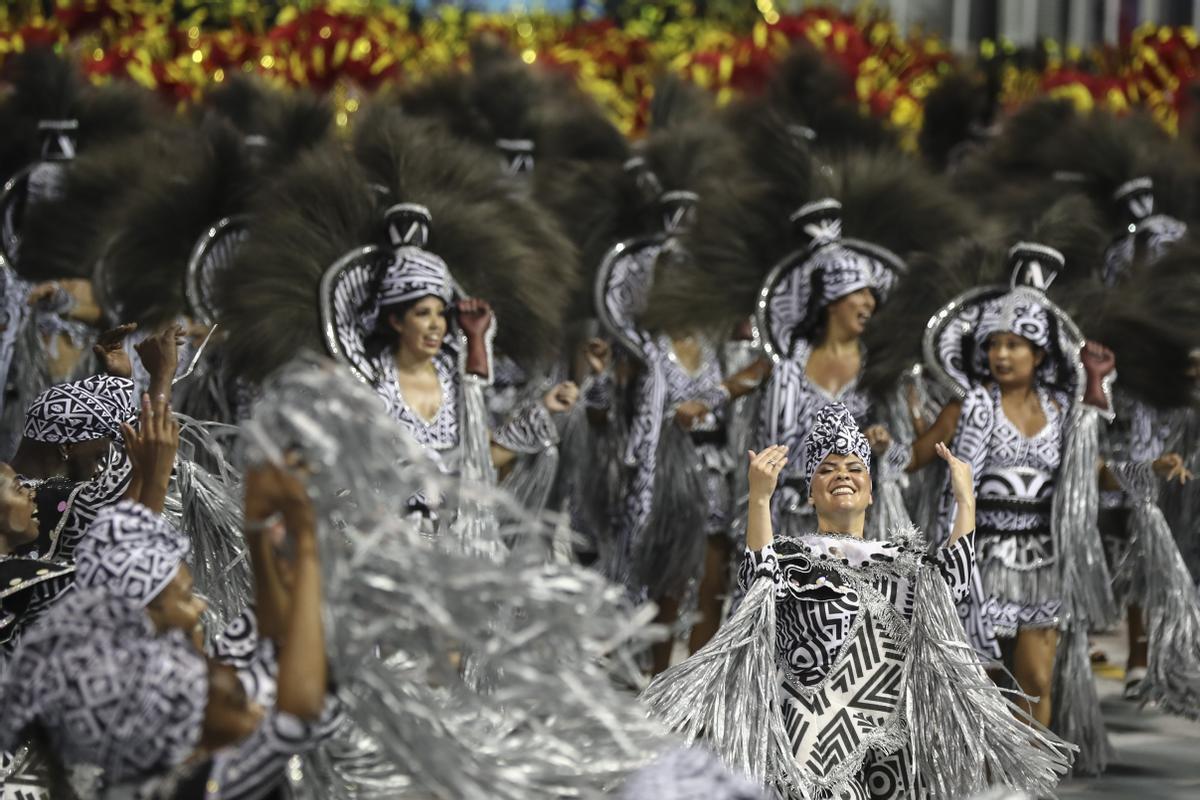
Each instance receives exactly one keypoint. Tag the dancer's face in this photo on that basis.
(83, 458)
(423, 327)
(177, 607)
(841, 486)
(18, 512)
(852, 312)
(1012, 359)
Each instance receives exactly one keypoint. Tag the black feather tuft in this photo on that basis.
(956, 112)
(145, 266)
(63, 238)
(810, 90)
(46, 86)
(304, 220)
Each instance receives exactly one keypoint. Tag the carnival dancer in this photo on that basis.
(73, 453)
(69, 152)
(177, 725)
(845, 673)
(677, 392)
(814, 261)
(178, 230)
(1144, 309)
(1031, 396)
(379, 261)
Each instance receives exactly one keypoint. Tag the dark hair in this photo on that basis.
(385, 337)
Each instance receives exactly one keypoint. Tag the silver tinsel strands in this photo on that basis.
(1157, 580)
(1086, 592)
(211, 516)
(1086, 585)
(405, 614)
(965, 736)
(727, 694)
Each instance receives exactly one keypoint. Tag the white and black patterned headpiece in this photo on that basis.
(838, 266)
(1022, 310)
(58, 138)
(107, 690)
(130, 552)
(414, 272)
(80, 411)
(834, 432)
(1142, 229)
(829, 268)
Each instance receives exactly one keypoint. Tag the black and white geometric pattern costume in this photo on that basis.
(841, 607)
(792, 301)
(80, 411)
(1018, 565)
(667, 468)
(66, 509)
(131, 552)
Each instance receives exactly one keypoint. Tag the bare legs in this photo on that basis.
(1033, 667)
(713, 588)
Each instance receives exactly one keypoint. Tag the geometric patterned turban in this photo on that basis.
(106, 689)
(834, 431)
(80, 411)
(130, 552)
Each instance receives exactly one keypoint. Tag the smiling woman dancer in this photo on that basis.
(846, 674)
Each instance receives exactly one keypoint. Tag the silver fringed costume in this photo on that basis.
(662, 529)
(461, 676)
(844, 673)
(1041, 562)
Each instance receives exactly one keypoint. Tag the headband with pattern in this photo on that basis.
(829, 268)
(414, 272)
(131, 552)
(80, 411)
(1022, 310)
(834, 432)
(106, 689)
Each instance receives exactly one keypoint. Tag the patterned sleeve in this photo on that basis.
(89, 499)
(957, 563)
(254, 658)
(756, 564)
(529, 430)
(257, 765)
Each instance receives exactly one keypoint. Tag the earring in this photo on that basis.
(62, 451)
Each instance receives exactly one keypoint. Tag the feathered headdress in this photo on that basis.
(498, 246)
(278, 124)
(525, 113)
(958, 116)
(177, 228)
(1012, 177)
(1151, 324)
(51, 119)
(64, 235)
(1142, 184)
(812, 92)
(984, 269)
(47, 88)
